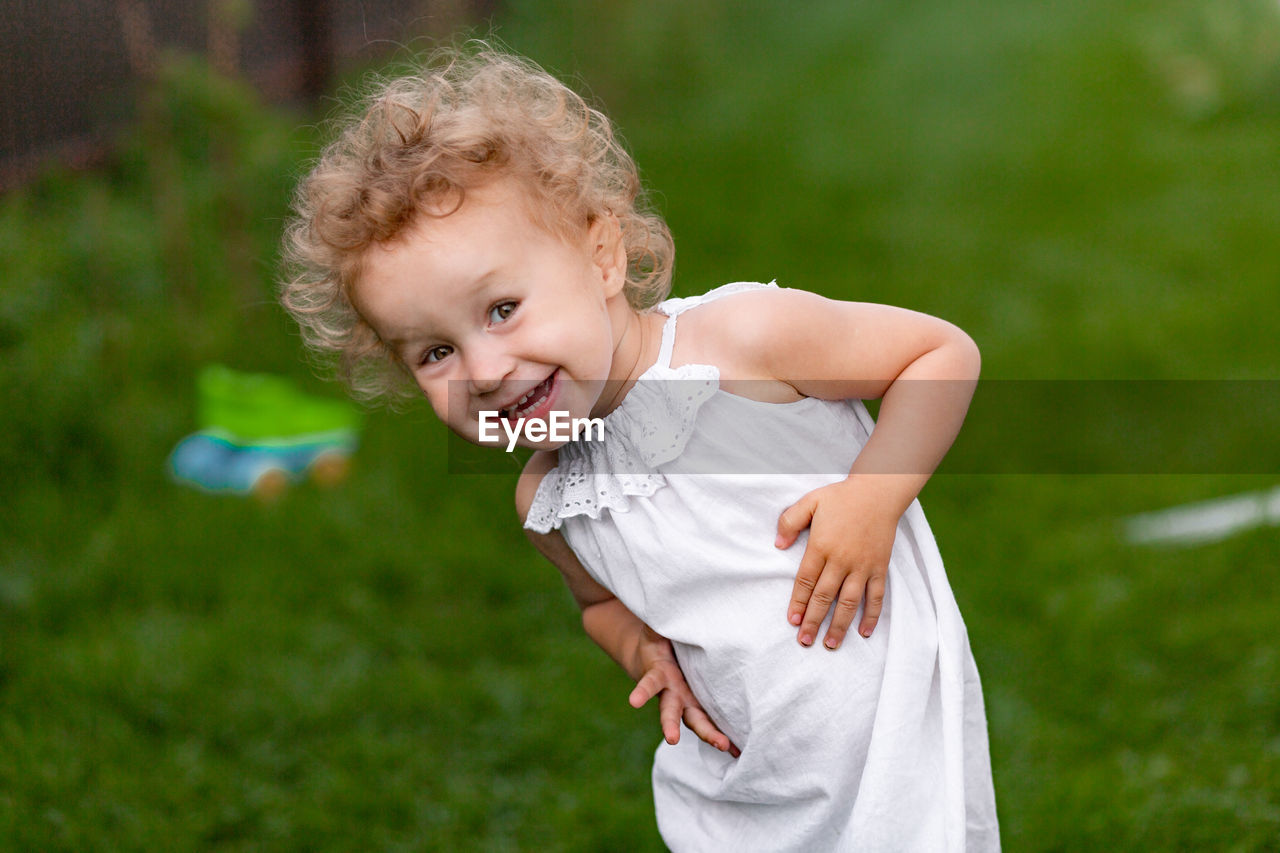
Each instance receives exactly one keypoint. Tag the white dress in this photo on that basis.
(881, 745)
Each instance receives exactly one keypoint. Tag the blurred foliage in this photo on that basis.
(1218, 56)
(389, 665)
(119, 284)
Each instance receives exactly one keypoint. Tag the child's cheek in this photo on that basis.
(451, 401)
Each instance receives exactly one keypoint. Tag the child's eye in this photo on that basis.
(501, 311)
(435, 354)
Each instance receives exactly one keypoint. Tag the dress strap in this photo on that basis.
(668, 341)
(674, 307)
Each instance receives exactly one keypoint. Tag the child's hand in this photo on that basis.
(845, 562)
(663, 677)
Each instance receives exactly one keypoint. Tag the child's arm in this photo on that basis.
(646, 656)
(924, 368)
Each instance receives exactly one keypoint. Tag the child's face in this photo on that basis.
(490, 312)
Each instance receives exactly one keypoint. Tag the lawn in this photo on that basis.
(1089, 189)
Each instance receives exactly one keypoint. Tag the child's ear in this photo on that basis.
(608, 252)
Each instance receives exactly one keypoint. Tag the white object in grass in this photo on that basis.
(1204, 521)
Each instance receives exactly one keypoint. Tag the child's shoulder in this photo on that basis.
(741, 334)
(823, 347)
(738, 330)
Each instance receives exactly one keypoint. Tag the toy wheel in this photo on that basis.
(330, 468)
(270, 485)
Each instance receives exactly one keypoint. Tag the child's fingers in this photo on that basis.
(875, 601)
(824, 595)
(794, 519)
(700, 724)
(650, 684)
(846, 608)
(670, 709)
(807, 577)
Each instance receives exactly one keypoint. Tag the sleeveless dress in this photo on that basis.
(880, 745)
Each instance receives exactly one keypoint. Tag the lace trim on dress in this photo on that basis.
(650, 427)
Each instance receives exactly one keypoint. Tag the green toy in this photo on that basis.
(259, 433)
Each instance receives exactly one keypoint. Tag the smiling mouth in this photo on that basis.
(531, 400)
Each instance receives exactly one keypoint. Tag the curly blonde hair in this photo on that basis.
(419, 142)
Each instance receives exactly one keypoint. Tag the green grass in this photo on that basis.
(1089, 189)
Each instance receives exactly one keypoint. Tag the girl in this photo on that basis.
(479, 231)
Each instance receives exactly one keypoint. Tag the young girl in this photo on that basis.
(479, 231)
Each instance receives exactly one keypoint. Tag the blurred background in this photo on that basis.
(1091, 189)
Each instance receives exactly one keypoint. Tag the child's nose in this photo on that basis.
(487, 368)
(485, 386)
